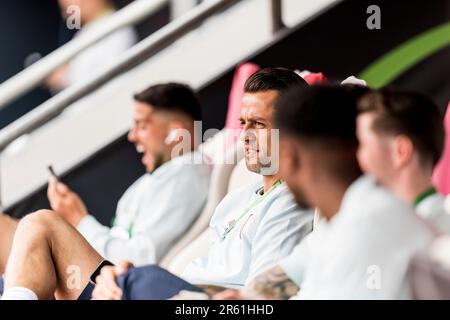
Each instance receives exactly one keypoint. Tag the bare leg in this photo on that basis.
(50, 257)
(8, 227)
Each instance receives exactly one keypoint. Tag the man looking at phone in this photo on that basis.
(148, 219)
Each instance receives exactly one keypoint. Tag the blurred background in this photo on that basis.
(72, 107)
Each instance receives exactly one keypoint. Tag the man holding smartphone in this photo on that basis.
(148, 220)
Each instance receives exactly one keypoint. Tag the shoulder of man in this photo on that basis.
(374, 214)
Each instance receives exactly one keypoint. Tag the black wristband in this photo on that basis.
(97, 271)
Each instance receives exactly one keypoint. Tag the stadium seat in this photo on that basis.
(313, 77)
(429, 272)
(441, 176)
(243, 72)
(218, 189)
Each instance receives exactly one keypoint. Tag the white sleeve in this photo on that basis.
(92, 230)
(280, 231)
(139, 249)
(168, 210)
(293, 265)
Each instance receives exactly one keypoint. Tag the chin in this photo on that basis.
(149, 168)
(253, 167)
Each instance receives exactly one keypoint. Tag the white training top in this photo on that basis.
(101, 55)
(153, 213)
(260, 239)
(363, 252)
(432, 209)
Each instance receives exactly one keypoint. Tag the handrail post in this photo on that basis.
(277, 16)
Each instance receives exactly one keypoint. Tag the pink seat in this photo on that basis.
(316, 78)
(441, 177)
(243, 72)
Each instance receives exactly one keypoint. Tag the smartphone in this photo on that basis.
(52, 172)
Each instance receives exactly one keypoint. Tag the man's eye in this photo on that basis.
(259, 124)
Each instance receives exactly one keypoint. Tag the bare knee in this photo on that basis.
(41, 221)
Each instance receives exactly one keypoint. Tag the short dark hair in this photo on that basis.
(173, 97)
(357, 90)
(318, 112)
(279, 79)
(323, 117)
(411, 114)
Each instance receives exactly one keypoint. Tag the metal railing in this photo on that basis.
(133, 57)
(277, 16)
(34, 75)
(142, 51)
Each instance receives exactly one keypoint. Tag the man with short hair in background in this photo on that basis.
(401, 136)
(152, 214)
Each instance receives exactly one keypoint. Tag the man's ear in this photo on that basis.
(403, 151)
(174, 132)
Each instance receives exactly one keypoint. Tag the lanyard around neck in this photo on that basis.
(429, 192)
(246, 211)
(130, 226)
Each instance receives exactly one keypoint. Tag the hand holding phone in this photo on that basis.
(52, 172)
(64, 201)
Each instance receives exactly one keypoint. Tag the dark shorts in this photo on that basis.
(87, 292)
(152, 283)
(147, 283)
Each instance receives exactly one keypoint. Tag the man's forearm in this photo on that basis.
(211, 290)
(8, 227)
(273, 285)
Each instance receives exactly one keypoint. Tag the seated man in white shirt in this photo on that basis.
(401, 137)
(252, 228)
(148, 220)
(362, 247)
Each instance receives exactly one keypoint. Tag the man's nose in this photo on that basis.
(248, 135)
(132, 135)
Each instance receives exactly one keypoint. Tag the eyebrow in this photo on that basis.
(256, 119)
(143, 119)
